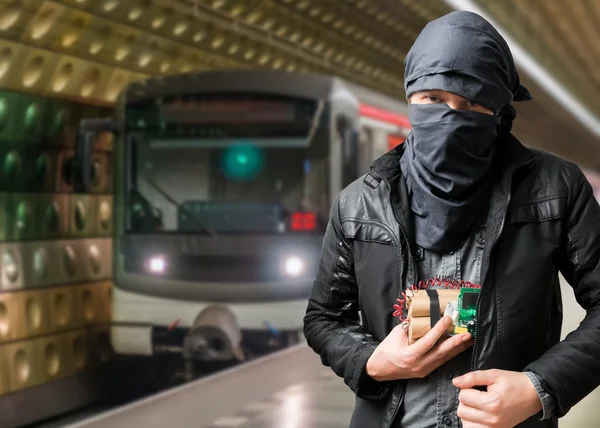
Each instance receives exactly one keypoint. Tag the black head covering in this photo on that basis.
(448, 154)
(463, 53)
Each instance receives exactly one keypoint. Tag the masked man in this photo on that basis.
(463, 200)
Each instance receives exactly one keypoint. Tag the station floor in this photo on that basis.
(287, 390)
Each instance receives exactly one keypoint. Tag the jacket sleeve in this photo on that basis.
(571, 369)
(331, 324)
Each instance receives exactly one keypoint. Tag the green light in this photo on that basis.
(242, 161)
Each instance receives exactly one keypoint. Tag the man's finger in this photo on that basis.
(472, 417)
(446, 350)
(457, 343)
(473, 398)
(400, 331)
(476, 378)
(428, 341)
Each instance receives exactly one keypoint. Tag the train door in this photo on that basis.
(365, 149)
(348, 136)
(343, 132)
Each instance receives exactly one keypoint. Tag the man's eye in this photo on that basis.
(433, 99)
(474, 104)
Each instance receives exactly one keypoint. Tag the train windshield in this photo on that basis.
(222, 186)
(226, 165)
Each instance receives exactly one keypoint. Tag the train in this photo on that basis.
(223, 182)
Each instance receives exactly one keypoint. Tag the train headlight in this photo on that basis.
(157, 265)
(293, 266)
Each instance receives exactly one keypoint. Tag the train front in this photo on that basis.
(222, 201)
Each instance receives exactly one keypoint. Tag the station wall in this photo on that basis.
(55, 246)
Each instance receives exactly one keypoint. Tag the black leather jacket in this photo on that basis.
(542, 219)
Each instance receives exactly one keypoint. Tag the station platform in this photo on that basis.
(284, 390)
(289, 389)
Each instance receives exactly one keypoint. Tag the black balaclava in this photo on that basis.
(448, 154)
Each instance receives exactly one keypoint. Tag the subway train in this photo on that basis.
(223, 185)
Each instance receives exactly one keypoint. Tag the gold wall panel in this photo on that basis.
(10, 322)
(38, 264)
(98, 265)
(77, 349)
(104, 215)
(53, 358)
(92, 304)
(62, 308)
(24, 365)
(106, 295)
(34, 311)
(55, 254)
(55, 246)
(4, 380)
(86, 260)
(12, 267)
(101, 181)
(82, 215)
(42, 263)
(28, 363)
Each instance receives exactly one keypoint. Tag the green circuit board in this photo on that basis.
(467, 311)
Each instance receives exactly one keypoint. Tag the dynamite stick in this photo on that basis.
(419, 310)
(418, 327)
(419, 305)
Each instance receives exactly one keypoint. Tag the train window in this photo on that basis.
(349, 143)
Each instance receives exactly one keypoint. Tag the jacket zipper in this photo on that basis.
(414, 270)
(489, 256)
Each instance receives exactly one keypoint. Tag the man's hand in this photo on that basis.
(395, 358)
(510, 399)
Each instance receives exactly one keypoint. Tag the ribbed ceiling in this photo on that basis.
(90, 49)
